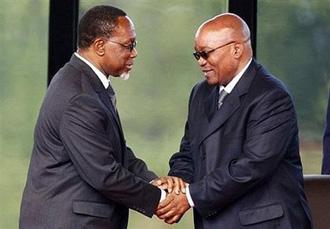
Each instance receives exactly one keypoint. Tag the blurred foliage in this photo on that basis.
(292, 43)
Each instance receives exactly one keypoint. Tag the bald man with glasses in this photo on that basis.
(239, 157)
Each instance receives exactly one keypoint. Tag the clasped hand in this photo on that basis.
(176, 203)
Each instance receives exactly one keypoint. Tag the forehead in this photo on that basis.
(125, 28)
(209, 37)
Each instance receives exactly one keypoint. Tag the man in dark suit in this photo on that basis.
(326, 143)
(82, 174)
(239, 153)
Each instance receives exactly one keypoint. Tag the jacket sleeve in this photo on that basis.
(271, 127)
(139, 167)
(181, 163)
(83, 132)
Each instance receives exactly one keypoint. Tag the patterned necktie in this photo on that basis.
(112, 96)
(222, 96)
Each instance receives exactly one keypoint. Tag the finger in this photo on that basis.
(163, 186)
(161, 180)
(176, 185)
(164, 208)
(154, 182)
(164, 203)
(183, 186)
(173, 219)
(169, 210)
(169, 184)
(165, 212)
(157, 181)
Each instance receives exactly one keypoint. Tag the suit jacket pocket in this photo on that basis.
(92, 209)
(260, 214)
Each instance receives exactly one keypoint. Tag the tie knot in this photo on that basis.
(222, 95)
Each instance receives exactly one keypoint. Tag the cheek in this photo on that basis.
(117, 60)
(224, 65)
(122, 58)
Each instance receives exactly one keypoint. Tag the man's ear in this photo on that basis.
(98, 46)
(238, 50)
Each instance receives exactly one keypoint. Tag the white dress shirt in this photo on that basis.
(105, 81)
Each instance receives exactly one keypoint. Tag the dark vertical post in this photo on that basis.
(63, 19)
(247, 9)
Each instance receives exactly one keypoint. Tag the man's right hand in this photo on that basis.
(172, 208)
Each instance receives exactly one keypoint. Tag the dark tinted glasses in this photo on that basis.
(205, 54)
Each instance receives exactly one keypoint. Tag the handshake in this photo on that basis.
(176, 203)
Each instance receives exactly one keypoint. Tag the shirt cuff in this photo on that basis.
(190, 201)
(162, 196)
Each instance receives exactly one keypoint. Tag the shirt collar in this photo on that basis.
(105, 81)
(235, 80)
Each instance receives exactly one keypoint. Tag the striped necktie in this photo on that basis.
(112, 96)
(222, 96)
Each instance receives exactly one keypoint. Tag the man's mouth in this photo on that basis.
(206, 71)
(129, 66)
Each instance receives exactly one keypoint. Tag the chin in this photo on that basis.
(212, 82)
(124, 76)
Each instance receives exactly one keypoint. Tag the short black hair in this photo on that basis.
(97, 22)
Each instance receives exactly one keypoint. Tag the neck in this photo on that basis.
(88, 55)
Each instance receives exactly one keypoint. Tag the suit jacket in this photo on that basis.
(326, 143)
(82, 174)
(242, 161)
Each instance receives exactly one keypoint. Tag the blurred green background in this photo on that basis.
(293, 43)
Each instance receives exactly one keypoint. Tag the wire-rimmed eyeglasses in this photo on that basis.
(130, 46)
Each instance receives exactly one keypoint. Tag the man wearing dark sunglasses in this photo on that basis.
(82, 174)
(239, 155)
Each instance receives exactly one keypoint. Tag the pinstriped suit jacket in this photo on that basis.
(82, 174)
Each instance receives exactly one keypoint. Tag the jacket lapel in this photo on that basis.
(210, 103)
(98, 88)
(230, 105)
(220, 116)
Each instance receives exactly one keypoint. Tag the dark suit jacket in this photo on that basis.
(243, 160)
(326, 143)
(82, 174)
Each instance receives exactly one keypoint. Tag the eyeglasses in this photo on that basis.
(205, 54)
(130, 47)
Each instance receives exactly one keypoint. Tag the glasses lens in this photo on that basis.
(132, 46)
(202, 54)
(196, 55)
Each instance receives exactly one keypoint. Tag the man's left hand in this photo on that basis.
(170, 183)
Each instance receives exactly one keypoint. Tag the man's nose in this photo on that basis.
(134, 53)
(201, 61)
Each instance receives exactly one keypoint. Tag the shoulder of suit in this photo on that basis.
(202, 86)
(200, 89)
(266, 79)
(69, 82)
(265, 83)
